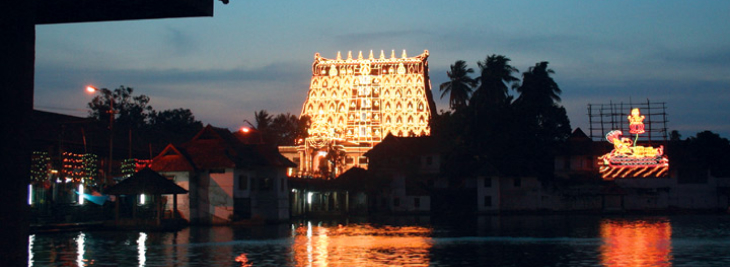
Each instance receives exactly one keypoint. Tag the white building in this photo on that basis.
(228, 180)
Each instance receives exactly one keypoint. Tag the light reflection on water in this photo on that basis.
(142, 249)
(486, 241)
(80, 251)
(636, 243)
(361, 245)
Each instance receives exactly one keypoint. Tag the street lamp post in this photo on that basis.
(111, 112)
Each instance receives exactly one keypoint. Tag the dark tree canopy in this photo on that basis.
(497, 135)
(494, 81)
(282, 129)
(263, 120)
(129, 111)
(175, 120)
(135, 119)
(459, 86)
(538, 89)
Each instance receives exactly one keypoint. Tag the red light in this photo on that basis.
(245, 129)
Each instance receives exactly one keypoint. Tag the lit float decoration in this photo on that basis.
(628, 160)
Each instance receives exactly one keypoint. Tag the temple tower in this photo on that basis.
(355, 102)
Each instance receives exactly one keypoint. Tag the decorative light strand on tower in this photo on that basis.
(354, 102)
(362, 100)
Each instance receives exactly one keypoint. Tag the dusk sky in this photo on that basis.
(255, 55)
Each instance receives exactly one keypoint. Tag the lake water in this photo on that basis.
(517, 240)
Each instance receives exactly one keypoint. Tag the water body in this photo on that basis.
(516, 240)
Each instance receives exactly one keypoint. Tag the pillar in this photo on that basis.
(174, 206)
(17, 60)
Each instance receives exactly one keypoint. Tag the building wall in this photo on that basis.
(400, 201)
(667, 193)
(488, 194)
(182, 179)
(220, 196)
(270, 198)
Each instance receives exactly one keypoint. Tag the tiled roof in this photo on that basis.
(146, 181)
(216, 148)
(399, 146)
(172, 159)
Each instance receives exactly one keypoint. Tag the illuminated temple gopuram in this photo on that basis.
(355, 102)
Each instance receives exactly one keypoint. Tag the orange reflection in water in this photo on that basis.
(636, 243)
(243, 260)
(361, 246)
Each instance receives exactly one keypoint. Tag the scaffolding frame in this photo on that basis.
(605, 117)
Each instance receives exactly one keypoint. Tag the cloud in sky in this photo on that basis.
(258, 55)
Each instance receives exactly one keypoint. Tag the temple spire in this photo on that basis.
(339, 56)
(359, 55)
(392, 54)
(382, 56)
(349, 55)
(404, 54)
(371, 55)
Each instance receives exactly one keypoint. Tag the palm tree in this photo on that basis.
(263, 120)
(538, 89)
(496, 75)
(459, 85)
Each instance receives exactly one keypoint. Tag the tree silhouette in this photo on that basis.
(263, 120)
(459, 86)
(335, 162)
(496, 75)
(130, 111)
(538, 89)
(283, 129)
(175, 120)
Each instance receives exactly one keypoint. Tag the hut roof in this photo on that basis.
(146, 181)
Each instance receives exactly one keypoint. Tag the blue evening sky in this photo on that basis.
(255, 55)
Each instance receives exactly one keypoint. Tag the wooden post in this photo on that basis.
(174, 206)
(134, 206)
(158, 205)
(116, 208)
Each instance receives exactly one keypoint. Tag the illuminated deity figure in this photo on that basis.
(628, 160)
(636, 122)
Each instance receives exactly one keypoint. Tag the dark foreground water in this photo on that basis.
(686, 240)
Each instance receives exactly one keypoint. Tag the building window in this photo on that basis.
(417, 202)
(265, 184)
(488, 182)
(363, 160)
(242, 182)
(518, 182)
(396, 202)
(349, 160)
(488, 201)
